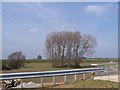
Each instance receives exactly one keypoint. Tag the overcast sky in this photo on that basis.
(26, 25)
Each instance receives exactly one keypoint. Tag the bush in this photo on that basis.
(15, 60)
(5, 65)
(12, 64)
(15, 64)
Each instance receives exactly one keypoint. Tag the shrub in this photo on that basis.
(5, 65)
(15, 64)
(15, 60)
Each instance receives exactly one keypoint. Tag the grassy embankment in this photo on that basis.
(43, 65)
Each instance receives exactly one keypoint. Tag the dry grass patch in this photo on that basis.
(89, 84)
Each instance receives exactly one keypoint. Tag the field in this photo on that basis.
(43, 65)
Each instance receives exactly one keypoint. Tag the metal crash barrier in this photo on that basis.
(24, 75)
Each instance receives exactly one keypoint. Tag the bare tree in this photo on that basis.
(16, 60)
(66, 49)
(16, 56)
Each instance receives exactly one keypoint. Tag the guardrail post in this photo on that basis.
(41, 82)
(107, 70)
(75, 77)
(65, 79)
(21, 83)
(84, 76)
(54, 80)
(97, 72)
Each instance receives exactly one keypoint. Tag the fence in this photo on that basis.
(64, 73)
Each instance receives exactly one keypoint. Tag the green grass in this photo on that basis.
(34, 66)
(37, 61)
(100, 60)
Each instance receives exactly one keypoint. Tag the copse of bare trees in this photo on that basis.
(14, 61)
(66, 49)
(16, 56)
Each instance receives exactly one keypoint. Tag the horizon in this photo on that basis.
(26, 25)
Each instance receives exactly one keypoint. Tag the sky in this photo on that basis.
(25, 25)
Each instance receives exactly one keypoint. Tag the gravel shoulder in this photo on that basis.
(113, 78)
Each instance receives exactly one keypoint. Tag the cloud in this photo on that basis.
(42, 12)
(34, 30)
(97, 9)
